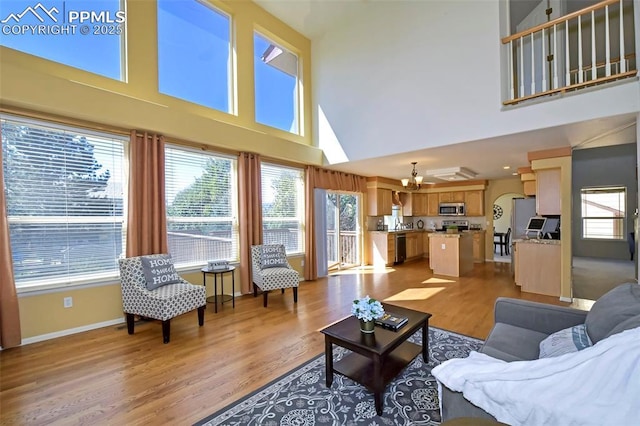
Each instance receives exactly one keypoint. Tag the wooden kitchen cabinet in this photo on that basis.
(380, 202)
(425, 244)
(412, 245)
(548, 197)
(420, 204)
(537, 267)
(451, 197)
(413, 204)
(478, 246)
(529, 188)
(474, 202)
(433, 202)
(383, 248)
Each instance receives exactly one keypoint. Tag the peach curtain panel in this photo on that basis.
(11, 334)
(325, 179)
(337, 181)
(146, 216)
(250, 211)
(310, 256)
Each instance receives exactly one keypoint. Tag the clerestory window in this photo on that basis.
(194, 53)
(277, 97)
(89, 35)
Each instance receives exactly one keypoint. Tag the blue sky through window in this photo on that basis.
(194, 46)
(194, 53)
(275, 90)
(51, 30)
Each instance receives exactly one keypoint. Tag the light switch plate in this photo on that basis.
(443, 246)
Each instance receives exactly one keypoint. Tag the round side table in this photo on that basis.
(206, 271)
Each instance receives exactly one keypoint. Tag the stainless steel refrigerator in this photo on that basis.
(522, 209)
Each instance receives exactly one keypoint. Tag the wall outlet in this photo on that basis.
(302, 262)
(444, 246)
(68, 302)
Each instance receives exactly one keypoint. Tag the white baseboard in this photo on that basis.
(70, 331)
(566, 299)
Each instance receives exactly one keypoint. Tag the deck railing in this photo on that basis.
(349, 248)
(584, 48)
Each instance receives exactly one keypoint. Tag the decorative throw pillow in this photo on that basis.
(159, 271)
(273, 256)
(611, 309)
(565, 341)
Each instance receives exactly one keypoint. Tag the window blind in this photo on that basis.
(201, 201)
(283, 206)
(64, 192)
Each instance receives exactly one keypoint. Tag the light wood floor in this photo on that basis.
(106, 376)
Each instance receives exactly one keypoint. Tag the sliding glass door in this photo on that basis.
(343, 230)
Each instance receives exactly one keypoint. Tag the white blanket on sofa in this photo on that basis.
(598, 385)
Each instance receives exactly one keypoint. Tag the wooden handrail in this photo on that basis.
(553, 22)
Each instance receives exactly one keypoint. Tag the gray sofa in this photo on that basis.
(521, 325)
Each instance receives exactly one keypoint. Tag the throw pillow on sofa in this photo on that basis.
(572, 339)
(159, 271)
(613, 308)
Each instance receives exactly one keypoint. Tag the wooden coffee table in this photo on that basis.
(377, 358)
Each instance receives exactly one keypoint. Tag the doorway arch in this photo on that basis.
(502, 219)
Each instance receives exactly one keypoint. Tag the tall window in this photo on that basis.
(194, 53)
(64, 191)
(78, 33)
(283, 206)
(202, 205)
(603, 213)
(276, 85)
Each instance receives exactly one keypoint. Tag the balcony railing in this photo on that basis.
(349, 248)
(584, 48)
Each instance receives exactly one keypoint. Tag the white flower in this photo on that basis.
(367, 309)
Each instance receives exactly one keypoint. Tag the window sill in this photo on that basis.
(55, 287)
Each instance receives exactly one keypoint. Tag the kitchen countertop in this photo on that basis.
(536, 241)
(441, 234)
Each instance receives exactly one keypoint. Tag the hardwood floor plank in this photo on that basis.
(105, 376)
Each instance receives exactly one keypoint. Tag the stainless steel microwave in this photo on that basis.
(451, 209)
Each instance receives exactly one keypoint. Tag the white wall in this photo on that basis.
(409, 75)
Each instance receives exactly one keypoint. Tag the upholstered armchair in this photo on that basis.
(271, 271)
(152, 289)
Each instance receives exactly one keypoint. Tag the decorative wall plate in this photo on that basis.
(497, 212)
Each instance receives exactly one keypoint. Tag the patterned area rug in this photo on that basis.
(301, 397)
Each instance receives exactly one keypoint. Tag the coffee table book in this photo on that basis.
(391, 321)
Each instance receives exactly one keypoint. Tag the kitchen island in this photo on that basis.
(537, 265)
(451, 254)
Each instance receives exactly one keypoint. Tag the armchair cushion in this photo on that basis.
(273, 256)
(158, 271)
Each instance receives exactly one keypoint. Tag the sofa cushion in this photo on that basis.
(511, 343)
(613, 308)
(628, 324)
(158, 271)
(572, 339)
